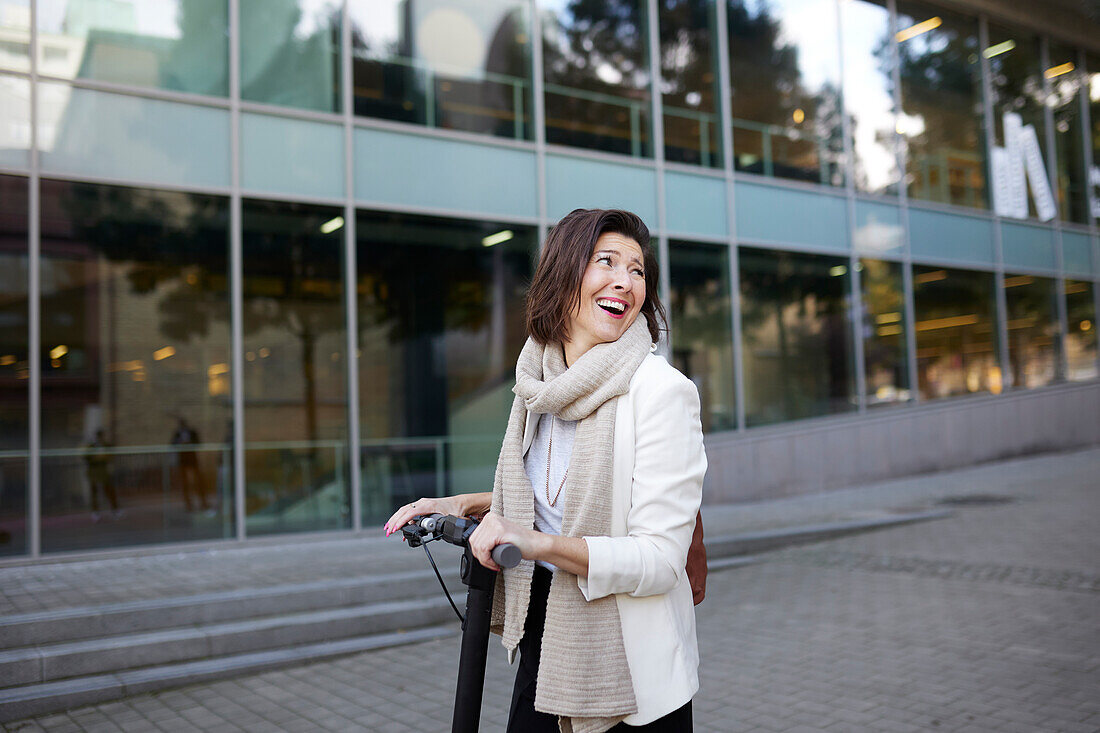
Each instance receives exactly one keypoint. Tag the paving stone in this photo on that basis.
(972, 622)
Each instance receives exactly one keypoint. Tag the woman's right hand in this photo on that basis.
(459, 506)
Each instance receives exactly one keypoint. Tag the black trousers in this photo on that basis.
(522, 717)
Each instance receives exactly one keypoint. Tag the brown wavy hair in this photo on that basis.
(556, 289)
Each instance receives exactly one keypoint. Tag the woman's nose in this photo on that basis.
(622, 279)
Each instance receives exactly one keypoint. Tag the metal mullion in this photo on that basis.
(351, 318)
(538, 114)
(1052, 173)
(855, 286)
(128, 90)
(34, 314)
(1000, 296)
(1086, 146)
(726, 126)
(657, 140)
(901, 153)
(236, 264)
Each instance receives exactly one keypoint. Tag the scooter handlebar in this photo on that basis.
(507, 555)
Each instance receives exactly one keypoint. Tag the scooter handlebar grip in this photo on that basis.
(507, 555)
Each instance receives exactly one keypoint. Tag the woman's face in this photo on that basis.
(612, 293)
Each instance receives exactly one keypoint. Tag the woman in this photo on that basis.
(598, 483)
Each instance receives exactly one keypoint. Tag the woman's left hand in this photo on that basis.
(496, 530)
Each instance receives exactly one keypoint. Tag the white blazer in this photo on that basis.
(658, 485)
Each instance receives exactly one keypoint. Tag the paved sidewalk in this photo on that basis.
(985, 621)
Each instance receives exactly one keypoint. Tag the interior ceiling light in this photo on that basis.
(915, 30)
(998, 49)
(1054, 71)
(332, 225)
(501, 236)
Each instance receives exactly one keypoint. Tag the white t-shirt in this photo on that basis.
(548, 518)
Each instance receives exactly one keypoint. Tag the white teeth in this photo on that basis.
(613, 304)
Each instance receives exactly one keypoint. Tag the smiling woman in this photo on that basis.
(574, 273)
(598, 483)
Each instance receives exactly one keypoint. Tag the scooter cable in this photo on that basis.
(441, 583)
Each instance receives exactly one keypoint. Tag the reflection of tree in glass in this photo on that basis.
(767, 87)
(293, 284)
(601, 47)
(687, 69)
(1032, 330)
(198, 60)
(168, 241)
(118, 263)
(289, 57)
(956, 341)
(884, 335)
(940, 79)
(790, 303)
(432, 290)
(766, 84)
(700, 307)
(395, 72)
(597, 46)
(1015, 79)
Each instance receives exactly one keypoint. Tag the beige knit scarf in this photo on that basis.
(583, 674)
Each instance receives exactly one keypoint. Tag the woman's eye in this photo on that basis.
(604, 258)
(639, 273)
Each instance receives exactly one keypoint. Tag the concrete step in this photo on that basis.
(39, 699)
(89, 622)
(752, 543)
(51, 662)
(65, 658)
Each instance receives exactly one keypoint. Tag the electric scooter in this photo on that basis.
(480, 582)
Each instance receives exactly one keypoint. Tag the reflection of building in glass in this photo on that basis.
(297, 286)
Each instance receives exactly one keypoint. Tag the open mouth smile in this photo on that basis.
(614, 307)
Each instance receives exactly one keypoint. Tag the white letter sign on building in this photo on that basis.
(1018, 160)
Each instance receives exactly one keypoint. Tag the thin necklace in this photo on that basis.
(550, 448)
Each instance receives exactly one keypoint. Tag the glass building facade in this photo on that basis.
(265, 260)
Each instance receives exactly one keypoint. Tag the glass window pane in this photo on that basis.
(15, 35)
(135, 353)
(956, 332)
(13, 365)
(941, 101)
(180, 45)
(1067, 82)
(290, 53)
(869, 94)
(702, 341)
(689, 78)
(596, 69)
(884, 351)
(1081, 339)
(796, 332)
(295, 358)
(785, 89)
(1016, 81)
(455, 64)
(440, 327)
(15, 121)
(283, 155)
(87, 132)
(1033, 339)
